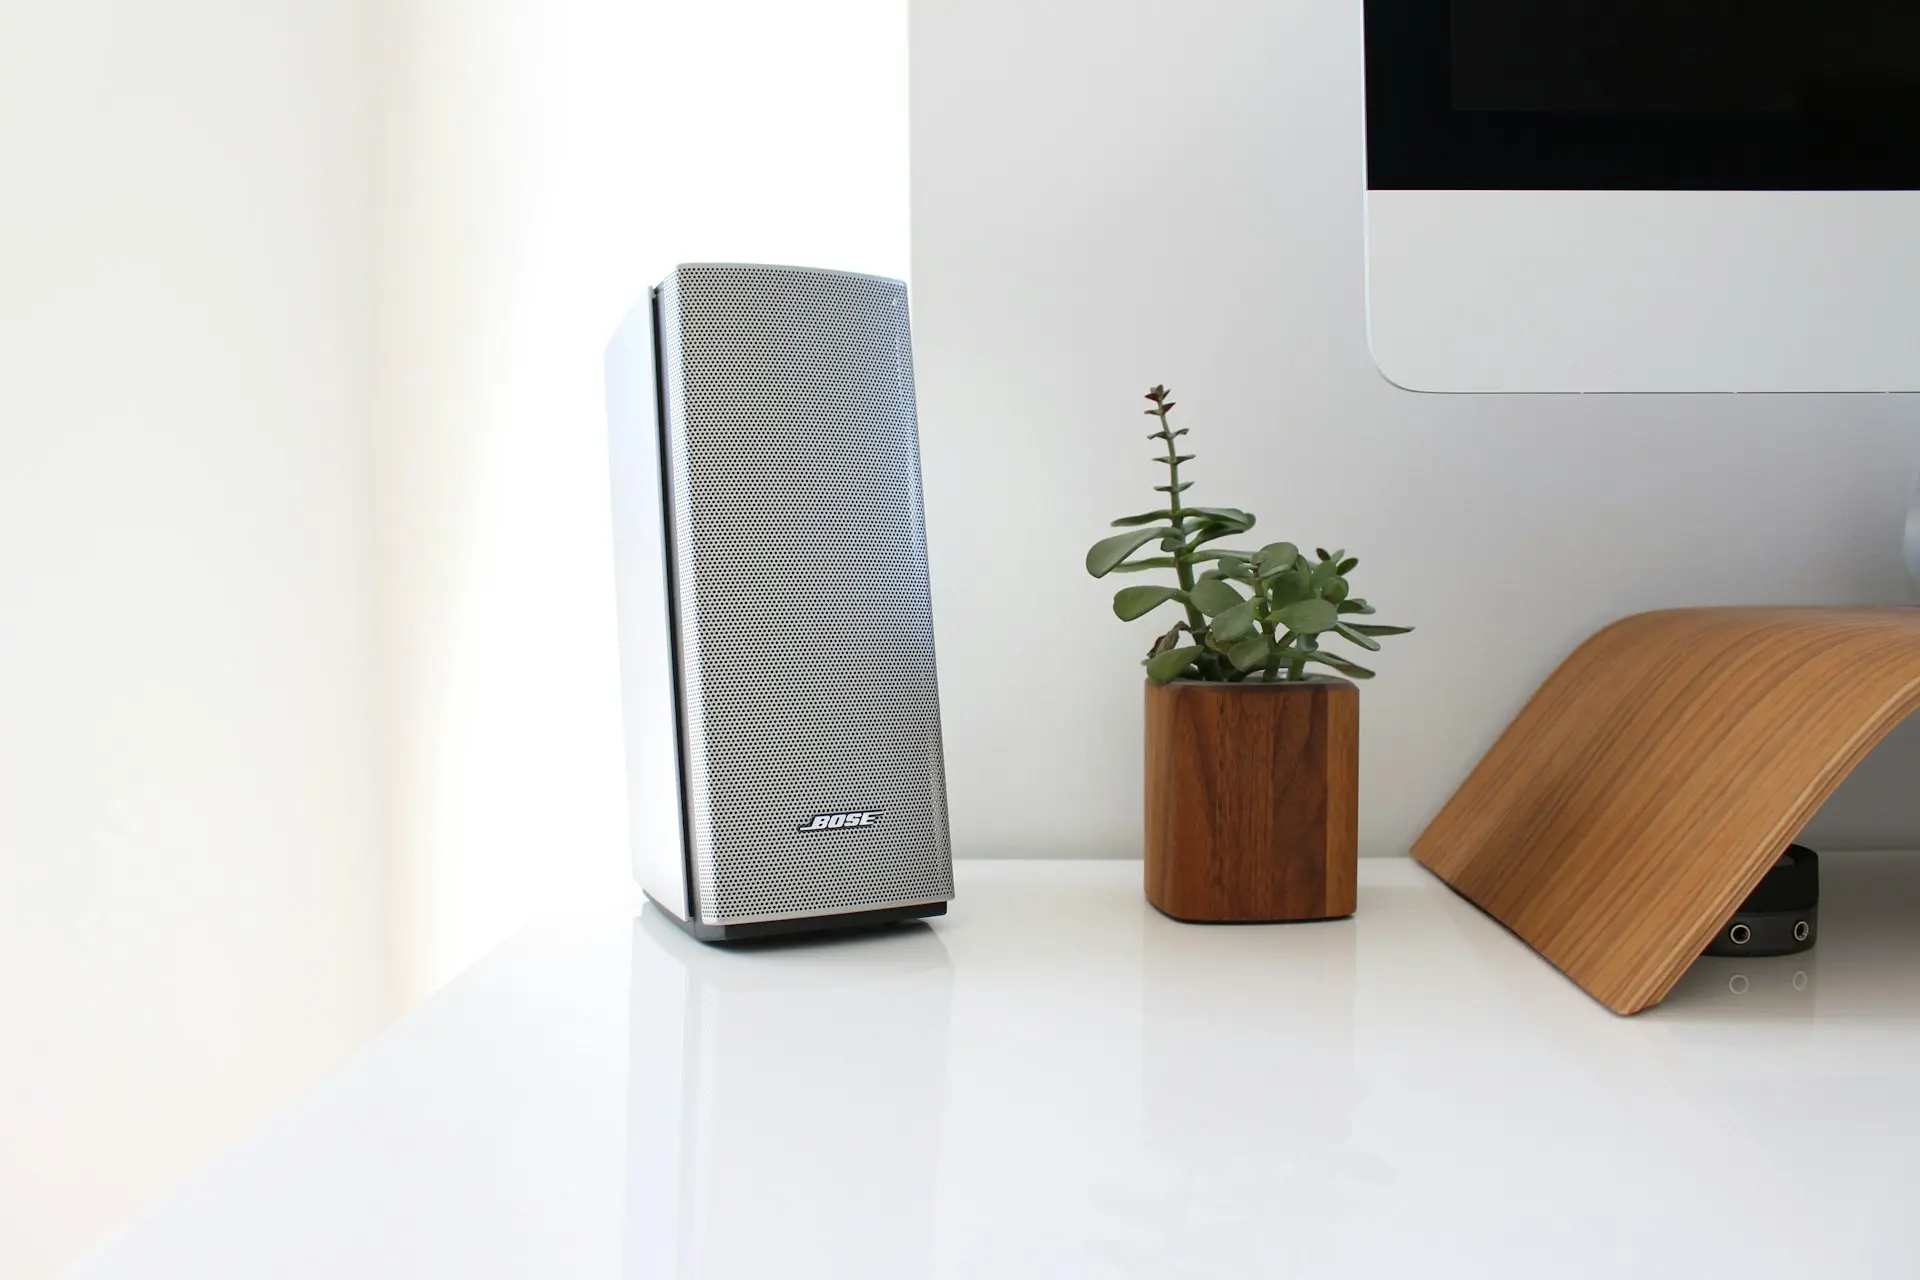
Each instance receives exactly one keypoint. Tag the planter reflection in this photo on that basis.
(1259, 1075)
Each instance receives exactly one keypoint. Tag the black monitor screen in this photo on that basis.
(1683, 55)
(1644, 94)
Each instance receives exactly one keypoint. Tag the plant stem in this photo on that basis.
(1273, 637)
(1182, 555)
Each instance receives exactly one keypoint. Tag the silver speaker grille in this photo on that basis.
(800, 569)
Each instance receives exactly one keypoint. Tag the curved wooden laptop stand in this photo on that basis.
(1639, 797)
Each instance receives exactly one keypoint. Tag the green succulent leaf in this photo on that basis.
(1323, 573)
(1376, 629)
(1322, 553)
(1136, 602)
(1250, 654)
(1145, 563)
(1335, 591)
(1105, 555)
(1355, 605)
(1213, 533)
(1182, 487)
(1232, 517)
(1234, 622)
(1288, 588)
(1308, 617)
(1342, 665)
(1212, 596)
(1145, 517)
(1275, 557)
(1162, 667)
(1359, 638)
(1348, 565)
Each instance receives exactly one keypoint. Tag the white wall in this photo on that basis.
(544, 162)
(189, 888)
(1112, 193)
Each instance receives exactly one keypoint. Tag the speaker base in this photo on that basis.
(752, 929)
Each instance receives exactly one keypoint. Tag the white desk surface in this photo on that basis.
(1056, 1081)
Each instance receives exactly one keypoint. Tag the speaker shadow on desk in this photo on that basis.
(784, 1100)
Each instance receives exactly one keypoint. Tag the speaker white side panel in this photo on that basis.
(1645, 290)
(640, 579)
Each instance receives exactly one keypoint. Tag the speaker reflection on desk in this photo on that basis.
(784, 1103)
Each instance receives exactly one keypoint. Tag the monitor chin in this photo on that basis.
(1645, 291)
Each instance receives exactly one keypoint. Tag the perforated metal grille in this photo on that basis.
(806, 635)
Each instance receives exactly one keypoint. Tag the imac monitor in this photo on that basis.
(1644, 195)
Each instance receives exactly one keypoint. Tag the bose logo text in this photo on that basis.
(838, 821)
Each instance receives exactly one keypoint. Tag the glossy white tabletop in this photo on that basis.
(1056, 1081)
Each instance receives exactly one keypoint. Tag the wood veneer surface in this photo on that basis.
(1641, 794)
(1252, 800)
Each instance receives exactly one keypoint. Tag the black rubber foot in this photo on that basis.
(804, 924)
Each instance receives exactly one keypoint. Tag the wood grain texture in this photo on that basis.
(1645, 789)
(1253, 800)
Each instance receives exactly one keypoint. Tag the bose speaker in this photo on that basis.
(781, 709)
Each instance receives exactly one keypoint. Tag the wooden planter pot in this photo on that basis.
(1253, 800)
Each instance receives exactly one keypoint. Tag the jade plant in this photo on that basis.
(1248, 615)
